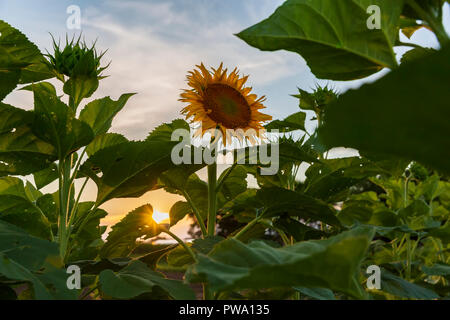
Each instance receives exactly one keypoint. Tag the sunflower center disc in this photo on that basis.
(227, 106)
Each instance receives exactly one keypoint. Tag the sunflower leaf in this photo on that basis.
(331, 263)
(294, 122)
(17, 208)
(100, 113)
(137, 279)
(132, 168)
(20, 60)
(56, 124)
(397, 116)
(122, 238)
(21, 151)
(332, 36)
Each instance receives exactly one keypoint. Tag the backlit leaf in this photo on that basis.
(332, 36)
(331, 263)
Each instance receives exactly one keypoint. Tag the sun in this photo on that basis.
(219, 100)
(160, 217)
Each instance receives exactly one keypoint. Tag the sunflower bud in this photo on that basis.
(76, 60)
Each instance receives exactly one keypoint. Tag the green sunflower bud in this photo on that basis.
(76, 59)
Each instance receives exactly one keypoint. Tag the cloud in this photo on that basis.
(152, 56)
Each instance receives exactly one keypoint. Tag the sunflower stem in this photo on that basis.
(246, 228)
(181, 243)
(197, 214)
(212, 199)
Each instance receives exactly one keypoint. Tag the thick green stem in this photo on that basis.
(182, 243)
(212, 199)
(197, 214)
(64, 203)
(246, 228)
(77, 166)
(75, 206)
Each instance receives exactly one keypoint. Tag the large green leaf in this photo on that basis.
(234, 184)
(294, 122)
(361, 212)
(179, 259)
(79, 88)
(403, 115)
(26, 258)
(438, 269)
(442, 233)
(330, 180)
(296, 229)
(279, 201)
(29, 251)
(164, 131)
(404, 289)
(130, 169)
(17, 208)
(332, 36)
(122, 238)
(332, 263)
(183, 182)
(178, 211)
(137, 279)
(104, 141)
(13, 270)
(100, 113)
(317, 293)
(46, 176)
(21, 152)
(55, 122)
(9, 78)
(20, 60)
(290, 151)
(86, 242)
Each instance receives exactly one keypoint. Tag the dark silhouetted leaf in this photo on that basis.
(137, 279)
(403, 114)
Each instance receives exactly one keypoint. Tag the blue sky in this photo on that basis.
(152, 44)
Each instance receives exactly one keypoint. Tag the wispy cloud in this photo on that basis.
(153, 56)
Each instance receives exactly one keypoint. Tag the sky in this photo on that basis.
(153, 44)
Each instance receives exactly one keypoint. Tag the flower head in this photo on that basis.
(76, 59)
(219, 100)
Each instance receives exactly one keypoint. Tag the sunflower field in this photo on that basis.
(373, 226)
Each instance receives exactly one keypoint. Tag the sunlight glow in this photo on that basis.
(160, 217)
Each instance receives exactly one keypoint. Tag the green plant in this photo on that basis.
(55, 142)
(285, 238)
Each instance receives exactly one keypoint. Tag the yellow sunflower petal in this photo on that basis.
(218, 99)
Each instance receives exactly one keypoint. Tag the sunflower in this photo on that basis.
(219, 100)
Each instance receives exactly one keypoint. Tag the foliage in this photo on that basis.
(284, 238)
